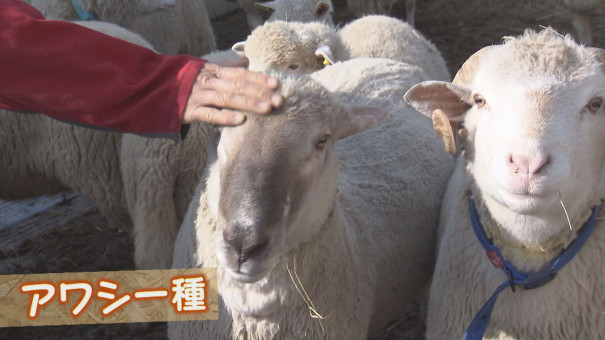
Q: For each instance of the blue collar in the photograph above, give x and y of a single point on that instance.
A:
(515, 278)
(83, 14)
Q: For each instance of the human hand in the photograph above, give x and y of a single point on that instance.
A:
(234, 88)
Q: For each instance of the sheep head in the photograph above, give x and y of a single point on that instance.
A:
(292, 47)
(274, 182)
(533, 121)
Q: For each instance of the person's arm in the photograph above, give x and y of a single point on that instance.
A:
(79, 75)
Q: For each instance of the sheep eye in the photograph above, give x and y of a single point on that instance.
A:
(479, 100)
(293, 67)
(321, 144)
(595, 104)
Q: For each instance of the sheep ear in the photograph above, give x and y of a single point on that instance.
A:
(322, 10)
(429, 96)
(356, 119)
(325, 52)
(445, 129)
(268, 6)
(239, 48)
(445, 103)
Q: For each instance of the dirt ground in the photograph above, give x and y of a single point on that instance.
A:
(458, 28)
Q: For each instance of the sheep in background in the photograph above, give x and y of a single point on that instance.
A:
(184, 28)
(115, 11)
(306, 47)
(287, 10)
(292, 47)
(380, 36)
(368, 7)
(42, 155)
(582, 12)
(355, 230)
(134, 180)
(533, 134)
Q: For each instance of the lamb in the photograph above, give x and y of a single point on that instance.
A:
(292, 47)
(582, 12)
(533, 131)
(287, 10)
(171, 26)
(306, 47)
(276, 208)
(385, 37)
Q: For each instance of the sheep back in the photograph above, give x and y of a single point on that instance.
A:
(379, 36)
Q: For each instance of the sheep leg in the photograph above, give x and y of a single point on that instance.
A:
(582, 23)
(155, 228)
(149, 174)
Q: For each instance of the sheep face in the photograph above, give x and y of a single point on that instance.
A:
(292, 47)
(275, 177)
(534, 125)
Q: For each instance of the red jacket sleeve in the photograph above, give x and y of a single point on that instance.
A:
(78, 75)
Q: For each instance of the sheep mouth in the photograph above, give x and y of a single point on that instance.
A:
(242, 277)
(250, 271)
(528, 201)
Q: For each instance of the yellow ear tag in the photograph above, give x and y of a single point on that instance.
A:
(326, 62)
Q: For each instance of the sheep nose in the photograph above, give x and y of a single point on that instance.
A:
(243, 241)
(529, 167)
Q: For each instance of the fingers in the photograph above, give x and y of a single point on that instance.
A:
(242, 74)
(240, 95)
(215, 116)
(231, 88)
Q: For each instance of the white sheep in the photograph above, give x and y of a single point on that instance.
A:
(533, 133)
(287, 10)
(353, 224)
(294, 47)
(185, 30)
(306, 47)
(582, 12)
(368, 7)
(380, 36)
(171, 26)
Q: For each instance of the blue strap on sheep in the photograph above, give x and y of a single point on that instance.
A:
(528, 280)
(82, 13)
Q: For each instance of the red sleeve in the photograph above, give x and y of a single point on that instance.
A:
(79, 75)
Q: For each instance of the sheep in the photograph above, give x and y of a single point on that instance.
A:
(118, 12)
(292, 47)
(171, 26)
(45, 156)
(364, 7)
(355, 230)
(184, 30)
(582, 12)
(532, 135)
(386, 37)
(307, 47)
(288, 10)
